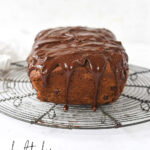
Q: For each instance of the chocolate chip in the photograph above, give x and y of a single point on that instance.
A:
(113, 88)
(105, 98)
(56, 91)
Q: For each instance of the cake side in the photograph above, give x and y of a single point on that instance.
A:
(78, 65)
(81, 89)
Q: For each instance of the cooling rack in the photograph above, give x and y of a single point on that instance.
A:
(18, 100)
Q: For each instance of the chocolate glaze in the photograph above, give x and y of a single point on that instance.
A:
(70, 47)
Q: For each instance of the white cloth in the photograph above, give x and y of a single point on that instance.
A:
(5, 61)
(8, 53)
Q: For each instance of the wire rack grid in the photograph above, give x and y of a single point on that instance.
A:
(18, 100)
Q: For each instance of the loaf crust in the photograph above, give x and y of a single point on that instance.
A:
(77, 65)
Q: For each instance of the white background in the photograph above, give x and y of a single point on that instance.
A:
(20, 20)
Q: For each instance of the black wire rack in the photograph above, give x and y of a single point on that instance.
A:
(18, 100)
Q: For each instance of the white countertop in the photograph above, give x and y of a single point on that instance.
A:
(135, 137)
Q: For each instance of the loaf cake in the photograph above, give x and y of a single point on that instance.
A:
(77, 65)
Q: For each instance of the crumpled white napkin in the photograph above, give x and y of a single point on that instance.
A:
(5, 61)
(8, 54)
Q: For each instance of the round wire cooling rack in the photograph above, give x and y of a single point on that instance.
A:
(18, 100)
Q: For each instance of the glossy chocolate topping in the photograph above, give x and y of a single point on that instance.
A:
(70, 47)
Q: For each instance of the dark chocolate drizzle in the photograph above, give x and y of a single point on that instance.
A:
(70, 47)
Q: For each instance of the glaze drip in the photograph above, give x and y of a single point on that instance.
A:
(71, 47)
(68, 73)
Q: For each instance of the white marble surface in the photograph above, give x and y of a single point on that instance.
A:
(20, 20)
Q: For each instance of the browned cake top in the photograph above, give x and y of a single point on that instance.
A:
(70, 47)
